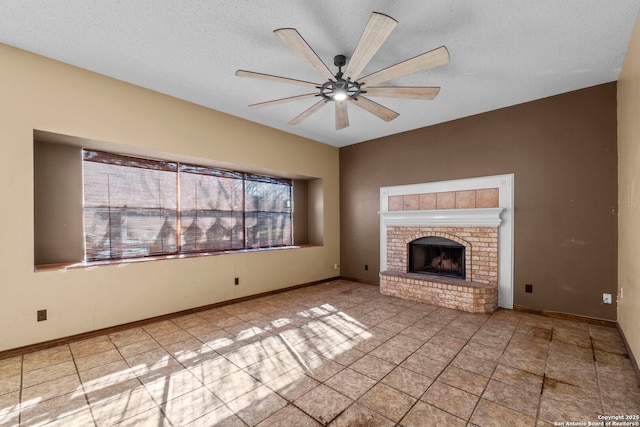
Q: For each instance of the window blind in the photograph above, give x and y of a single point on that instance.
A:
(211, 209)
(130, 207)
(268, 212)
(139, 207)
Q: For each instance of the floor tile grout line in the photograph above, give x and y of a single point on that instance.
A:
(21, 388)
(292, 402)
(184, 367)
(498, 363)
(411, 354)
(595, 365)
(445, 368)
(544, 373)
(84, 390)
(230, 361)
(354, 401)
(159, 406)
(204, 385)
(419, 399)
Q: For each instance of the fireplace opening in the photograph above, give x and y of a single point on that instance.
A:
(437, 256)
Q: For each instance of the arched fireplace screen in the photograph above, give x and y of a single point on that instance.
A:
(438, 256)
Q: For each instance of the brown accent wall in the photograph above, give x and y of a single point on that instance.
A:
(562, 152)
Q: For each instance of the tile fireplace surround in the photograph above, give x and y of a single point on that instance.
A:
(477, 213)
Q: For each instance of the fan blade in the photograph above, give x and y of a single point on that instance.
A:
(412, 92)
(294, 40)
(342, 116)
(254, 75)
(283, 100)
(376, 109)
(433, 58)
(375, 33)
(306, 113)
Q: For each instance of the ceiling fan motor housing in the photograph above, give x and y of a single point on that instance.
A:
(340, 89)
(331, 89)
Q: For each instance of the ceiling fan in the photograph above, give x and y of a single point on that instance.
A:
(349, 86)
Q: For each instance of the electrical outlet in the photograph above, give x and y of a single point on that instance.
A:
(606, 298)
(336, 266)
(621, 293)
(41, 315)
(366, 267)
(528, 288)
(236, 281)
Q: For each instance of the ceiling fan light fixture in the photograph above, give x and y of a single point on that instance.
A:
(340, 94)
(339, 90)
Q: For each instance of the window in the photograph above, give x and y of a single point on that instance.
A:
(91, 205)
(138, 207)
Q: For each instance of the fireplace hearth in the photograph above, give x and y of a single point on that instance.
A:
(437, 256)
(454, 267)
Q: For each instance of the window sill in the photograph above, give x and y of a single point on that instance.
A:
(95, 264)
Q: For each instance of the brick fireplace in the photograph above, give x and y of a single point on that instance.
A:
(474, 215)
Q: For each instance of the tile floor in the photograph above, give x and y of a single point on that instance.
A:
(336, 354)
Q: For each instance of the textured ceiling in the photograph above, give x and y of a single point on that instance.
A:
(503, 52)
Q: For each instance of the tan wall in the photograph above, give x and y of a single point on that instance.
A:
(38, 93)
(300, 212)
(58, 216)
(562, 152)
(629, 197)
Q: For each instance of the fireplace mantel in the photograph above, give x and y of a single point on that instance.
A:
(485, 217)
